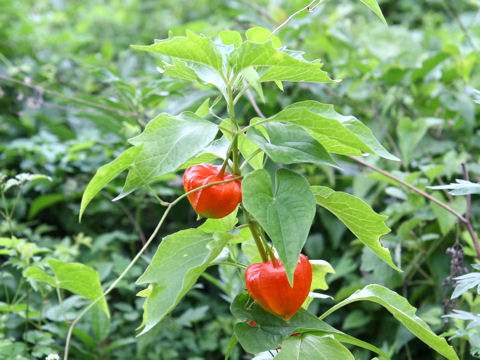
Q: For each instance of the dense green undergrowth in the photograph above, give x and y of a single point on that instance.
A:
(81, 92)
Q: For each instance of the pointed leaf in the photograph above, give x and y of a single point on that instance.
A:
(76, 278)
(107, 173)
(179, 261)
(337, 133)
(179, 70)
(285, 212)
(290, 144)
(403, 312)
(359, 217)
(166, 143)
(306, 347)
(39, 274)
(373, 5)
(281, 66)
(192, 47)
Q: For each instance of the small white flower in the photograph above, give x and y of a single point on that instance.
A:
(53, 357)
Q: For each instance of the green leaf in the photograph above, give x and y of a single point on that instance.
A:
(403, 312)
(306, 347)
(285, 212)
(373, 5)
(271, 330)
(280, 65)
(107, 173)
(204, 109)
(359, 217)
(192, 47)
(42, 202)
(75, 277)
(290, 144)
(166, 143)
(223, 224)
(260, 34)
(337, 133)
(179, 261)
(100, 324)
(230, 37)
(178, 69)
(39, 274)
(320, 269)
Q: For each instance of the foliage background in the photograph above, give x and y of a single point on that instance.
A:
(412, 83)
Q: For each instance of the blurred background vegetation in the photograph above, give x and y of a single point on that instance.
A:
(81, 92)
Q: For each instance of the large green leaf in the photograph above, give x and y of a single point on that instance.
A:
(373, 5)
(74, 277)
(290, 144)
(307, 347)
(107, 173)
(179, 261)
(285, 211)
(280, 66)
(166, 143)
(192, 47)
(403, 312)
(337, 133)
(359, 217)
(271, 330)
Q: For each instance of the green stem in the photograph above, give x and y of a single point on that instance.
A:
(247, 160)
(229, 151)
(60, 301)
(134, 260)
(268, 247)
(256, 237)
(214, 281)
(231, 263)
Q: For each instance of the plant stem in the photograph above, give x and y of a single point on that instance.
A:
(293, 15)
(134, 260)
(465, 221)
(254, 104)
(269, 249)
(247, 160)
(256, 237)
(60, 301)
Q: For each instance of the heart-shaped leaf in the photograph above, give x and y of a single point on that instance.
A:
(285, 211)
